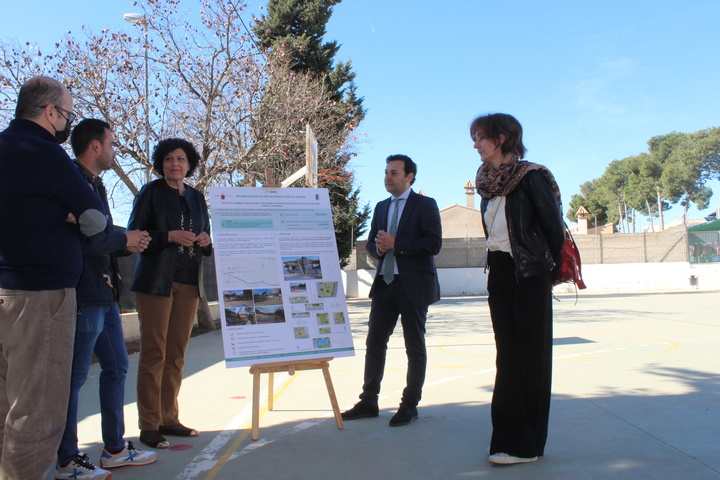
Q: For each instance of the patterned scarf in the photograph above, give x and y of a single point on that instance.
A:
(491, 182)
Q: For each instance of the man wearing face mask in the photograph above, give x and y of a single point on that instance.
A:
(40, 264)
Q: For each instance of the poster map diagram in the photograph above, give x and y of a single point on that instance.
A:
(279, 279)
(255, 272)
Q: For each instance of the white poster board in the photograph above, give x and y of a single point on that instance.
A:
(279, 284)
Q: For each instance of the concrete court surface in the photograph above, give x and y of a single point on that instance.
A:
(636, 396)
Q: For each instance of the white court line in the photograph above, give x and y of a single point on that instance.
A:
(438, 382)
(483, 371)
(281, 434)
(206, 460)
(570, 356)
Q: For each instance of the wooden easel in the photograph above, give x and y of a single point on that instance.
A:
(291, 367)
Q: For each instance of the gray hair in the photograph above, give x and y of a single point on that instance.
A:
(36, 94)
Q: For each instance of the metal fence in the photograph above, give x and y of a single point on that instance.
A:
(704, 247)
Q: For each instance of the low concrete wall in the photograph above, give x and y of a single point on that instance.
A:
(131, 324)
(625, 277)
(454, 282)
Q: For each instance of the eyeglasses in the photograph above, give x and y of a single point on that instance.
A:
(70, 115)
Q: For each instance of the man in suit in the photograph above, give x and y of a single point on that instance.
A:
(405, 235)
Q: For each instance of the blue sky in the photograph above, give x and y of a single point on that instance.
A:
(591, 82)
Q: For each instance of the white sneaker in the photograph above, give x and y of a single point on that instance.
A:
(80, 468)
(505, 459)
(128, 456)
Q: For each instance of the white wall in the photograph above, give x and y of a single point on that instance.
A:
(626, 277)
(131, 324)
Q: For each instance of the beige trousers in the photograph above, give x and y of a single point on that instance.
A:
(37, 332)
(165, 327)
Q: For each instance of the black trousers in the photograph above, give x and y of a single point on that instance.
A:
(521, 311)
(389, 302)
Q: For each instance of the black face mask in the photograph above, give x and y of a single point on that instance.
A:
(62, 135)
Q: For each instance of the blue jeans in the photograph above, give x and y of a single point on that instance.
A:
(99, 330)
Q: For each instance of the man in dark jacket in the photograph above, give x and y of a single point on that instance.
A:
(40, 264)
(99, 326)
(405, 235)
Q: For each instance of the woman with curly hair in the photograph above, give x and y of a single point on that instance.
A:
(167, 284)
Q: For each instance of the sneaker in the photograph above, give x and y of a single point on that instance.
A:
(127, 456)
(362, 409)
(506, 459)
(80, 468)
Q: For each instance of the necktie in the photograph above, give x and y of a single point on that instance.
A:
(389, 261)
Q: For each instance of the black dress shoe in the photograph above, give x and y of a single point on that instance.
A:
(404, 416)
(362, 409)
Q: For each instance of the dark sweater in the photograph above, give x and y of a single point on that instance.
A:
(99, 263)
(39, 186)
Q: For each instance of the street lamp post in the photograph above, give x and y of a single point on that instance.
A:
(140, 19)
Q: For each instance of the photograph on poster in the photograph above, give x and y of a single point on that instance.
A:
(273, 314)
(339, 317)
(299, 315)
(321, 342)
(233, 298)
(327, 289)
(323, 318)
(267, 296)
(301, 332)
(325, 331)
(301, 268)
(235, 316)
(299, 299)
(298, 287)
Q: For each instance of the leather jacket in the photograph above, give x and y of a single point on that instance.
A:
(156, 209)
(535, 226)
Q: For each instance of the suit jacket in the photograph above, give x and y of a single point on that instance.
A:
(417, 241)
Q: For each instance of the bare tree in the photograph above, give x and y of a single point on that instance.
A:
(291, 100)
(207, 83)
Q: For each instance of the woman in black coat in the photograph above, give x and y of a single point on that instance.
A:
(167, 284)
(525, 234)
